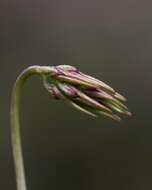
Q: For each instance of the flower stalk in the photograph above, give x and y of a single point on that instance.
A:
(67, 83)
(15, 122)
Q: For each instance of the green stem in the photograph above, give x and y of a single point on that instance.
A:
(15, 123)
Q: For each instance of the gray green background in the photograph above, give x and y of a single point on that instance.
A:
(63, 148)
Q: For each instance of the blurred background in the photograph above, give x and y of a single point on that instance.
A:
(63, 148)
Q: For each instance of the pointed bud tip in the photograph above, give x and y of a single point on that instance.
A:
(120, 97)
(128, 113)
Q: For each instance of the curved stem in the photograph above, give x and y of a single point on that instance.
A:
(15, 124)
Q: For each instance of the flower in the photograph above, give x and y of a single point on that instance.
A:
(84, 92)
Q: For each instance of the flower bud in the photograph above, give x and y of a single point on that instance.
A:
(84, 92)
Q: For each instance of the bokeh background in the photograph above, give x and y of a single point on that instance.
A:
(63, 148)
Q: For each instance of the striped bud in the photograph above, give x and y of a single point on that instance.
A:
(84, 92)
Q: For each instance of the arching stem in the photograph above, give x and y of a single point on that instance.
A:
(15, 123)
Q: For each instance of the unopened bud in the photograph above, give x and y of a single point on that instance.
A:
(84, 92)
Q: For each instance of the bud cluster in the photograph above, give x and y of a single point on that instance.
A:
(84, 92)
